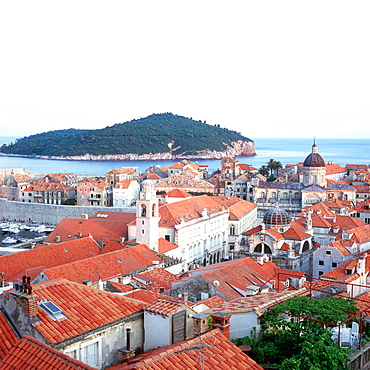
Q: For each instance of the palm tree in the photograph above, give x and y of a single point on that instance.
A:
(264, 170)
(273, 165)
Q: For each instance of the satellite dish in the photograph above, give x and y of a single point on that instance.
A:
(216, 283)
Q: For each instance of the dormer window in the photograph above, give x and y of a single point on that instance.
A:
(348, 272)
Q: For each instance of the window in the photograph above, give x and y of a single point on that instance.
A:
(321, 272)
(334, 264)
(321, 263)
(90, 354)
(367, 220)
(167, 237)
(328, 252)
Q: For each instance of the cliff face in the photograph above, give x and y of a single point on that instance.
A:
(236, 149)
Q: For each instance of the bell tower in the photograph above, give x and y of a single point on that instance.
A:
(147, 216)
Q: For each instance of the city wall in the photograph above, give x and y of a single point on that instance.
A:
(50, 213)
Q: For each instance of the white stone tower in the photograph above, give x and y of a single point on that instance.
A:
(147, 216)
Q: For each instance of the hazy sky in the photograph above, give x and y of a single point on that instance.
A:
(264, 68)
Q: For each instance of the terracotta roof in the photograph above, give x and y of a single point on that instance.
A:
(8, 337)
(123, 170)
(247, 167)
(362, 206)
(178, 193)
(258, 303)
(32, 261)
(105, 266)
(332, 168)
(158, 277)
(165, 307)
(31, 354)
(237, 207)
(148, 297)
(360, 234)
(186, 210)
(293, 233)
(340, 246)
(220, 354)
(165, 246)
(124, 184)
(110, 227)
(118, 287)
(214, 301)
(85, 309)
(243, 271)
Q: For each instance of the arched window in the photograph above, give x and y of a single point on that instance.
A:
(143, 210)
(262, 248)
(232, 229)
(345, 197)
(285, 195)
(306, 246)
(273, 194)
(153, 210)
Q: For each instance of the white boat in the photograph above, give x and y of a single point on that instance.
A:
(9, 240)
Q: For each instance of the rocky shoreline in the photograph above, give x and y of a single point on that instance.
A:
(238, 149)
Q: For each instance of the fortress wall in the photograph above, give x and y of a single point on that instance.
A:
(50, 213)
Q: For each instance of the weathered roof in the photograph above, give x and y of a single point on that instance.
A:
(31, 354)
(219, 353)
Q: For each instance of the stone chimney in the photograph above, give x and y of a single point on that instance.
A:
(25, 298)
(185, 297)
(200, 323)
(221, 321)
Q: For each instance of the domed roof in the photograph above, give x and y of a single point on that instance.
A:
(276, 217)
(314, 159)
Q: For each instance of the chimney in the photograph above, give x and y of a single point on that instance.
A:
(221, 321)
(25, 298)
(79, 234)
(57, 239)
(200, 324)
(161, 289)
(185, 297)
(122, 240)
(127, 352)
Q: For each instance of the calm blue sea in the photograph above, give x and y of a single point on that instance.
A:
(287, 151)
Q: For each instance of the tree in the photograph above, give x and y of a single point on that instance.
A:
(297, 341)
(70, 202)
(273, 165)
(264, 170)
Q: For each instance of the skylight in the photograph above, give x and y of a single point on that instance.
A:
(52, 310)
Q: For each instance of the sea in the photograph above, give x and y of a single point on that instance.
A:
(287, 151)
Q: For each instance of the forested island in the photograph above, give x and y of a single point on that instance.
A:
(161, 136)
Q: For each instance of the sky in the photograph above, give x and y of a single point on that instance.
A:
(262, 68)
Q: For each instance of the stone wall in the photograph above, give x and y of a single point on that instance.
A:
(50, 213)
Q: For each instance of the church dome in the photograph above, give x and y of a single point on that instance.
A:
(314, 159)
(276, 217)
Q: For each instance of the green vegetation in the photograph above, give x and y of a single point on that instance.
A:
(157, 133)
(301, 343)
(271, 168)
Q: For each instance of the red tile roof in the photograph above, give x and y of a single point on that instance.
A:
(8, 337)
(111, 227)
(293, 233)
(31, 354)
(218, 354)
(32, 261)
(188, 209)
(237, 207)
(124, 184)
(148, 297)
(214, 301)
(258, 303)
(105, 266)
(178, 193)
(332, 168)
(85, 309)
(165, 246)
(243, 271)
(165, 307)
(158, 277)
